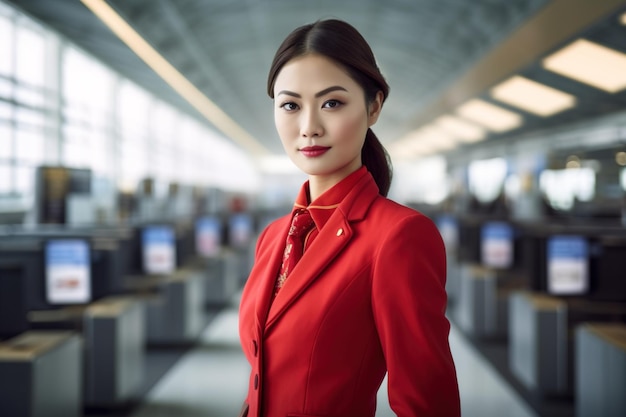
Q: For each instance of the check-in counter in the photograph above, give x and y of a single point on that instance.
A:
(175, 307)
(574, 260)
(541, 337)
(41, 375)
(223, 278)
(483, 276)
(108, 258)
(575, 275)
(114, 321)
(453, 281)
(474, 309)
(114, 334)
(13, 308)
(481, 308)
(601, 370)
(538, 341)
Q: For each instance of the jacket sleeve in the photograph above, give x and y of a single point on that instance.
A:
(409, 303)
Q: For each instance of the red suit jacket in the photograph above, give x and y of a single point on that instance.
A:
(367, 297)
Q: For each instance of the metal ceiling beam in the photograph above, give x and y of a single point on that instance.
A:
(194, 50)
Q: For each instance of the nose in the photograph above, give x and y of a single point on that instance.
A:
(311, 124)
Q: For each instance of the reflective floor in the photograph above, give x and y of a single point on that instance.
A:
(210, 380)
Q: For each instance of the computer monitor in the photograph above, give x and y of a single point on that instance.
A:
(67, 268)
(158, 247)
(240, 230)
(496, 245)
(449, 229)
(208, 233)
(567, 265)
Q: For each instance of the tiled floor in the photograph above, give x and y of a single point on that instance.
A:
(211, 380)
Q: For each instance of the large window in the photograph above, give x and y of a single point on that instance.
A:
(7, 51)
(87, 91)
(23, 113)
(59, 105)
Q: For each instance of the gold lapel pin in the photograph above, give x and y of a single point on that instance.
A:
(339, 232)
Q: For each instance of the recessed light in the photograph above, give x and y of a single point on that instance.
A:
(590, 63)
(532, 96)
(493, 117)
(436, 137)
(459, 128)
(425, 140)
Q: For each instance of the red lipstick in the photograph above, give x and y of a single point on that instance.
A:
(314, 151)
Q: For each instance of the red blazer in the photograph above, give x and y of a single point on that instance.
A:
(367, 297)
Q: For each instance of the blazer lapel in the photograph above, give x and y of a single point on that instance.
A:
(270, 271)
(331, 240)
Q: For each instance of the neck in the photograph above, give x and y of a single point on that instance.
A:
(319, 184)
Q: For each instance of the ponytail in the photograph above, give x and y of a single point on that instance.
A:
(376, 159)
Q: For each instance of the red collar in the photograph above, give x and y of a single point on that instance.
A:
(323, 207)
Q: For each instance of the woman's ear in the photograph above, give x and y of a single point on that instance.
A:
(374, 108)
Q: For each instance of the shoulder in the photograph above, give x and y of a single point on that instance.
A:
(389, 219)
(393, 212)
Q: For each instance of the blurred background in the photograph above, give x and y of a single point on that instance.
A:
(139, 160)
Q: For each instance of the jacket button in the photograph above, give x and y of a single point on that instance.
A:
(256, 381)
(256, 348)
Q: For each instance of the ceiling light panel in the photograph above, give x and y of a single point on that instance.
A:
(623, 19)
(407, 149)
(532, 96)
(590, 63)
(459, 128)
(426, 140)
(436, 137)
(494, 118)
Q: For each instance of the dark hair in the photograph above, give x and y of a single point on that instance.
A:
(342, 43)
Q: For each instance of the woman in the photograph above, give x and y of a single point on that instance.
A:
(368, 294)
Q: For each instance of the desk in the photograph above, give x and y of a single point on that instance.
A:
(41, 374)
(601, 370)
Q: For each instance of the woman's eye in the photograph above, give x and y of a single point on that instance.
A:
(289, 106)
(331, 104)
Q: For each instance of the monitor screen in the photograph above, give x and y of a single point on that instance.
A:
(240, 230)
(449, 230)
(496, 245)
(68, 271)
(567, 265)
(159, 249)
(208, 236)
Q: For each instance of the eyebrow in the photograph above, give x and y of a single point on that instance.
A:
(317, 95)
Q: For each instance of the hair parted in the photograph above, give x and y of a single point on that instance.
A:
(343, 44)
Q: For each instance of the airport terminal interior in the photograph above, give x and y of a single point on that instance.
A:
(139, 162)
